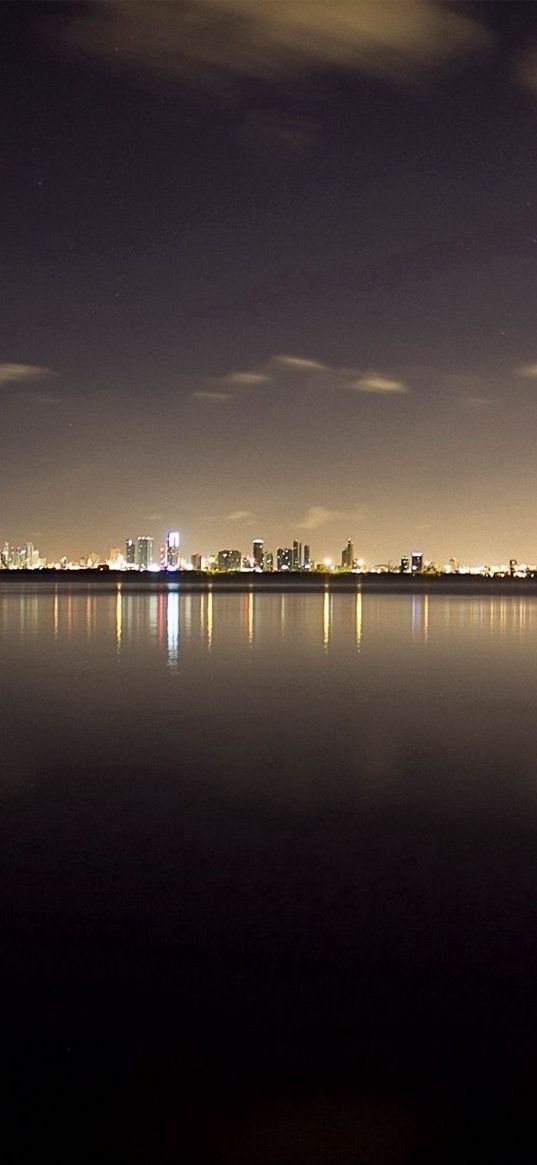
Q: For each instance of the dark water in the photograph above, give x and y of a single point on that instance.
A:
(269, 876)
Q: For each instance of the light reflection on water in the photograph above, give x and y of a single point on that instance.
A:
(324, 804)
(307, 680)
(331, 621)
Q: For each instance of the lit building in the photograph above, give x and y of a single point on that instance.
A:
(297, 555)
(229, 559)
(347, 555)
(195, 562)
(268, 560)
(144, 553)
(115, 558)
(284, 558)
(416, 562)
(307, 557)
(257, 553)
(172, 550)
(130, 552)
(405, 565)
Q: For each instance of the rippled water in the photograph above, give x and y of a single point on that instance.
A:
(269, 871)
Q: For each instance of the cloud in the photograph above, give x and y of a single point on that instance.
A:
(312, 373)
(238, 516)
(298, 364)
(210, 42)
(202, 395)
(318, 516)
(22, 373)
(246, 378)
(526, 69)
(36, 398)
(381, 384)
(529, 371)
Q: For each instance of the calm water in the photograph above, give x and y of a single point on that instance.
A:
(269, 874)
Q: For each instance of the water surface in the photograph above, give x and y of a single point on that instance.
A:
(269, 872)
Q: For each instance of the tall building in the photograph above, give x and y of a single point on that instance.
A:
(347, 555)
(229, 559)
(257, 553)
(297, 555)
(405, 565)
(284, 558)
(195, 562)
(172, 550)
(268, 560)
(144, 553)
(416, 562)
(307, 557)
(130, 552)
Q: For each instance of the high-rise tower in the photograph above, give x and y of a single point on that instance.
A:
(172, 550)
(257, 553)
(347, 555)
(144, 553)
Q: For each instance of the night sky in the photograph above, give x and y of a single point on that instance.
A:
(270, 271)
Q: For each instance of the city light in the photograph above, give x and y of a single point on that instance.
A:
(138, 556)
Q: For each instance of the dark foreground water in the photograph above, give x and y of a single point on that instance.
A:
(269, 876)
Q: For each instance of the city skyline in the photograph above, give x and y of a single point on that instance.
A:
(287, 287)
(145, 553)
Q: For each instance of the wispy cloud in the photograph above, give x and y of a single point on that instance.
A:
(380, 384)
(319, 516)
(36, 398)
(298, 364)
(238, 516)
(525, 69)
(210, 42)
(216, 396)
(22, 373)
(246, 378)
(529, 371)
(310, 372)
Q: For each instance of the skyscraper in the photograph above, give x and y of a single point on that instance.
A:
(307, 557)
(172, 550)
(145, 553)
(284, 558)
(229, 559)
(347, 555)
(130, 552)
(416, 562)
(257, 553)
(297, 555)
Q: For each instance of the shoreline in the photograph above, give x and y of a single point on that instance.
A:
(274, 582)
